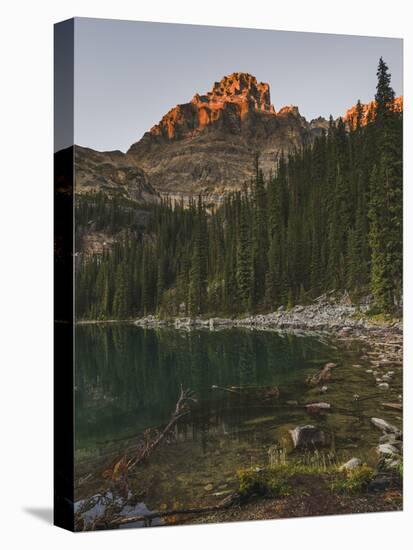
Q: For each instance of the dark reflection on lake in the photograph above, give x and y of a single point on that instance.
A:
(128, 379)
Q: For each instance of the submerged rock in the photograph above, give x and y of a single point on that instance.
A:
(317, 407)
(322, 376)
(307, 436)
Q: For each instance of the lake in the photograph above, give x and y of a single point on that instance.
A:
(128, 379)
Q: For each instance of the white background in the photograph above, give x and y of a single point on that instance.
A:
(26, 134)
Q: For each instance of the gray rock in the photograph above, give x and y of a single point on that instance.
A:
(307, 436)
(387, 449)
(383, 386)
(351, 464)
(385, 426)
(390, 438)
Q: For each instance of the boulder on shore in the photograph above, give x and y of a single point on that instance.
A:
(351, 464)
(387, 450)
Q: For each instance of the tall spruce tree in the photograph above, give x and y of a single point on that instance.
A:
(385, 209)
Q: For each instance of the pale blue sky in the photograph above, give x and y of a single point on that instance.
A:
(129, 74)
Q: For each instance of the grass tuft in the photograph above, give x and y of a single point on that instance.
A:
(276, 480)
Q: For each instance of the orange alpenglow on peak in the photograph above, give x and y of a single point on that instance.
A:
(240, 88)
(350, 118)
(237, 95)
(289, 109)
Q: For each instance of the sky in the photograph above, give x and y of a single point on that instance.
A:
(129, 74)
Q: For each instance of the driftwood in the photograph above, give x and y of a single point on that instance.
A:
(265, 392)
(181, 409)
(118, 472)
(230, 390)
(229, 501)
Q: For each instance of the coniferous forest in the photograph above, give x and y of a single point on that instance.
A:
(328, 218)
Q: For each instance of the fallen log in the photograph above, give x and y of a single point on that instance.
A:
(181, 410)
(229, 501)
(229, 390)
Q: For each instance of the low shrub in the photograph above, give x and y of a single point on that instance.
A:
(270, 482)
(353, 481)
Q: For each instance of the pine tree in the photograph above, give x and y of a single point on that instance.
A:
(385, 209)
(244, 261)
(380, 269)
(259, 238)
(198, 285)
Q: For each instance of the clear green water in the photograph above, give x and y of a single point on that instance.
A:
(128, 379)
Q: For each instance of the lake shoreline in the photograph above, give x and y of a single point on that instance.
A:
(317, 317)
(331, 312)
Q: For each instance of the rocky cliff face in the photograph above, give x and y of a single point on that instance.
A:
(112, 173)
(208, 145)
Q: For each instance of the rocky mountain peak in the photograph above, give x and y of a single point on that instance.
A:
(239, 88)
(233, 97)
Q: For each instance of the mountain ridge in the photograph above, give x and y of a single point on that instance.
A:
(208, 145)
